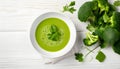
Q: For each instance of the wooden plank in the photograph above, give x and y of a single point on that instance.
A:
(20, 14)
(17, 52)
(16, 44)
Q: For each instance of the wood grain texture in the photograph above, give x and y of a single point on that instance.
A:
(16, 51)
(20, 14)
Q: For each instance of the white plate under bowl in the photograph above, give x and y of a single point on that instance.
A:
(69, 45)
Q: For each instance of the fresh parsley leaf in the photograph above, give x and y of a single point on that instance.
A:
(53, 29)
(69, 7)
(79, 57)
(100, 56)
(117, 3)
(65, 8)
(54, 34)
(72, 3)
(72, 9)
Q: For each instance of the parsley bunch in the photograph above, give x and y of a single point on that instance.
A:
(70, 8)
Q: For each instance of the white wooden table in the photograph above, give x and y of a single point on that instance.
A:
(16, 51)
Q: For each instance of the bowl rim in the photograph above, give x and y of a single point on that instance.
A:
(70, 43)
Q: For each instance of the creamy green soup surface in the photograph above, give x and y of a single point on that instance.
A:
(44, 29)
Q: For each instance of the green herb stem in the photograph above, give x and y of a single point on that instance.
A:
(91, 51)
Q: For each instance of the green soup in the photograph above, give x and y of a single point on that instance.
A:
(43, 29)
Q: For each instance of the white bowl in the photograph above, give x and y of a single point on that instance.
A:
(68, 46)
